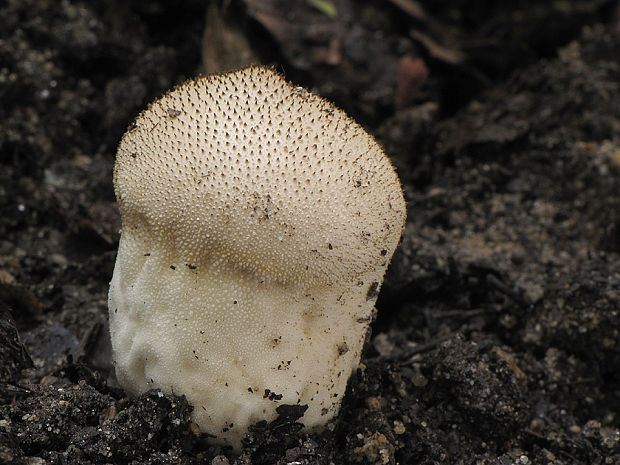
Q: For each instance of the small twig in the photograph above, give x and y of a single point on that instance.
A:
(414, 351)
(462, 313)
(574, 383)
(505, 289)
(87, 341)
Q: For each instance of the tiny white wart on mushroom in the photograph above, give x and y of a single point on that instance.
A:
(258, 222)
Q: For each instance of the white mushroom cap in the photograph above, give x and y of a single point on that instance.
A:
(258, 221)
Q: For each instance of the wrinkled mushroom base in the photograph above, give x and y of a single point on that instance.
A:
(235, 345)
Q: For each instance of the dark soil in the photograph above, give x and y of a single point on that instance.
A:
(498, 335)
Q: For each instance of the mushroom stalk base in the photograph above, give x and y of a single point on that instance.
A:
(235, 345)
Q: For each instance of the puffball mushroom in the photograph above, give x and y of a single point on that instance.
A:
(257, 224)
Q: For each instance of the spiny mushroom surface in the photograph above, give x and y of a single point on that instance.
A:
(257, 224)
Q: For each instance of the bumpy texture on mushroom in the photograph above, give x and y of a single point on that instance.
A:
(258, 222)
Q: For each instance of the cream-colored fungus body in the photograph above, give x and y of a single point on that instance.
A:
(257, 224)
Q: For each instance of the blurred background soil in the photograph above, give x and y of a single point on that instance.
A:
(498, 335)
